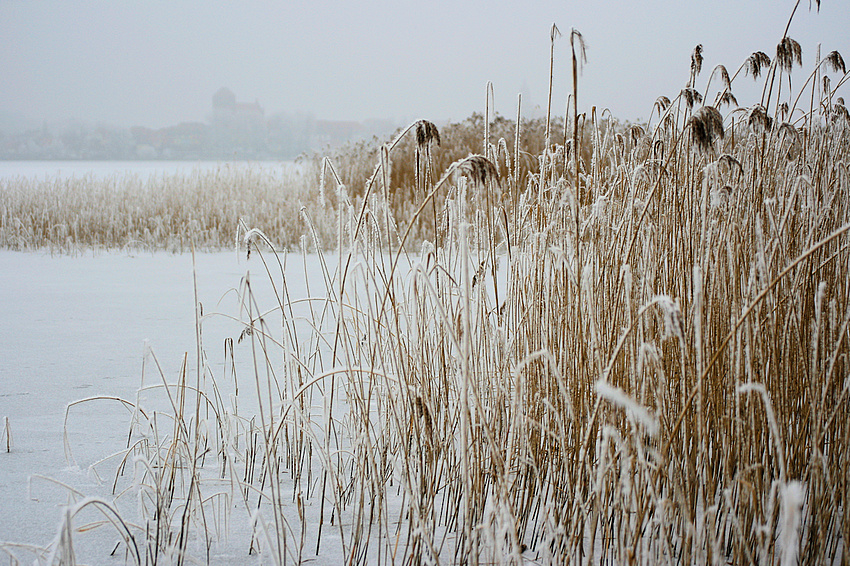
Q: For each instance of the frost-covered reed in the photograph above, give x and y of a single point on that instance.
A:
(167, 212)
(636, 356)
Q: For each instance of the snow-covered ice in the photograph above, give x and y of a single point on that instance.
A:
(77, 327)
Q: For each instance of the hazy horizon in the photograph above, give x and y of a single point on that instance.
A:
(158, 63)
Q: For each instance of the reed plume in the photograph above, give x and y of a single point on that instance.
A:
(427, 134)
(696, 64)
(478, 169)
(788, 52)
(755, 63)
(707, 126)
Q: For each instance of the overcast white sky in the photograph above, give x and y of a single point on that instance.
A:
(158, 62)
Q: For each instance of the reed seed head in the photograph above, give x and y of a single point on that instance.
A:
(479, 169)
(727, 98)
(836, 62)
(724, 76)
(758, 119)
(696, 61)
(788, 130)
(691, 96)
(427, 134)
(732, 164)
(788, 52)
(635, 134)
(839, 112)
(755, 63)
(707, 126)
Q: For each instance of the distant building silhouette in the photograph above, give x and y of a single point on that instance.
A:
(237, 127)
(224, 101)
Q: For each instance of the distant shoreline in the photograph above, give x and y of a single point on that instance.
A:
(146, 168)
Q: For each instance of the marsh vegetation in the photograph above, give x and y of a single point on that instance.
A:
(585, 342)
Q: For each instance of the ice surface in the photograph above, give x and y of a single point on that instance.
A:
(60, 170)
(77, 327)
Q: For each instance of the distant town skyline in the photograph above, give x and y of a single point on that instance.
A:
(233, 129)
(17, 124)
(156, 63)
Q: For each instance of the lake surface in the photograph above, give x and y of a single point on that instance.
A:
(43, 170)
(81, 327)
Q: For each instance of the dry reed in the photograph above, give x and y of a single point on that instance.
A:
(637, 356)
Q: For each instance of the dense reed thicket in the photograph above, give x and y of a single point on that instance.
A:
(639, 356)
(169, 212)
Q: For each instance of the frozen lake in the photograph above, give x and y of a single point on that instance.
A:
(43, 170)
(79, 327)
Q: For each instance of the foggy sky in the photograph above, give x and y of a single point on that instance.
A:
(157, 63)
